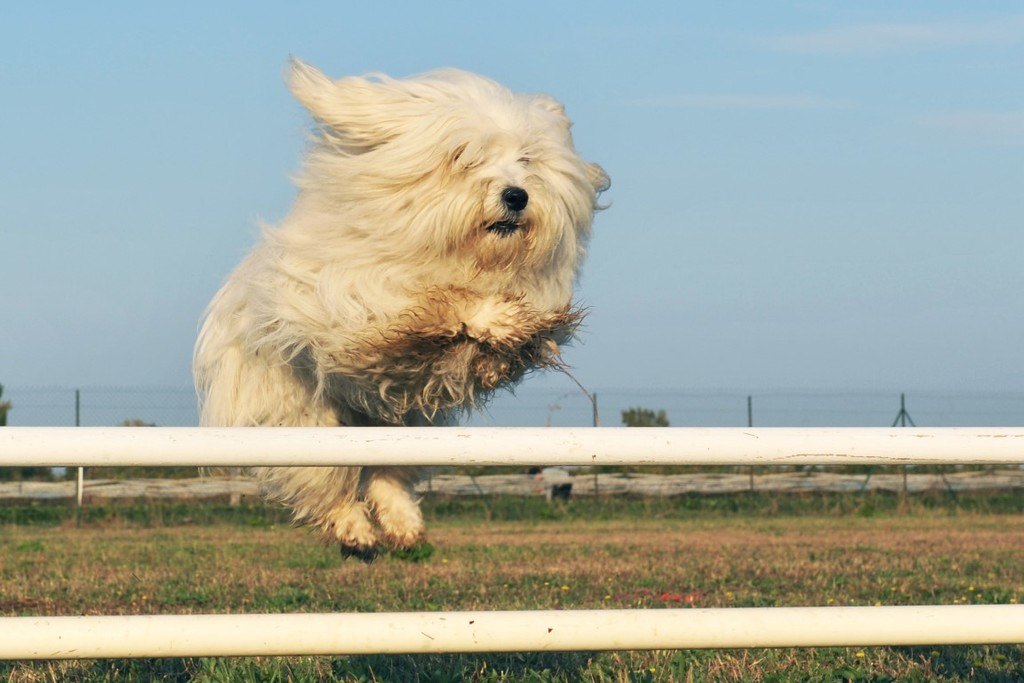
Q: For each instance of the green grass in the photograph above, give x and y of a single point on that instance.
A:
(513, 553)
(474, 509)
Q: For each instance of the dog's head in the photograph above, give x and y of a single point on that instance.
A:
(453, 169)
(447, 219)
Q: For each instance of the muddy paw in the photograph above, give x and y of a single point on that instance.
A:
(363, 554)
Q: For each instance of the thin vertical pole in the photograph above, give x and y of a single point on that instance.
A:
(750, 423)
(80, 484)
(901, 417)
(903, 423)
(597, 423)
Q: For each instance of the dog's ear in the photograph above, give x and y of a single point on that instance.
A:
(360, 110)
(598, 178)
(310, 86)
(551, 104)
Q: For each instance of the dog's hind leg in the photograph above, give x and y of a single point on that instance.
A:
(354, 529)
(389, 493)
(242, 389)
(325, 498)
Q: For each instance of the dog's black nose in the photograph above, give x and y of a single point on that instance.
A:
(515, 198)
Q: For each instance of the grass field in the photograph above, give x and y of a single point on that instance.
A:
(515, 554)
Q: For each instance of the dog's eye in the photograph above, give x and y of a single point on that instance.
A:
(525, 161)
(465, 158)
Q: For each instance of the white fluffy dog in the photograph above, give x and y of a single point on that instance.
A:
(429, 259)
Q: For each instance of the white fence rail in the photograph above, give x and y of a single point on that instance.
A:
(544, 630)
(262, 634)
(240, 446)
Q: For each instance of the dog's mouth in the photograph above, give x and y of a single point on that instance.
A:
(504, 228)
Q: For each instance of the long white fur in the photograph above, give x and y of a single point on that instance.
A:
(387, 244)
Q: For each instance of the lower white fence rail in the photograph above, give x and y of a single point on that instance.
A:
(412, 632)
(547, 630)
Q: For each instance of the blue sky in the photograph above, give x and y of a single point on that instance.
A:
(805, 195)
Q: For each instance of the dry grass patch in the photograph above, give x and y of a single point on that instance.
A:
(652, 563)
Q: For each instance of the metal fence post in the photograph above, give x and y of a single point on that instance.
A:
(750, 423)
(80, 481)
(597, 423)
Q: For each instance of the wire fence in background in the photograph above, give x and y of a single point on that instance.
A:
(767, 409)
(101, 406)
(529, 407)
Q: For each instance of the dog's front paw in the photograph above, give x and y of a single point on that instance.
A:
(497, 320)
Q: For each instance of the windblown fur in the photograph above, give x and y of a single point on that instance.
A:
(406, 284)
